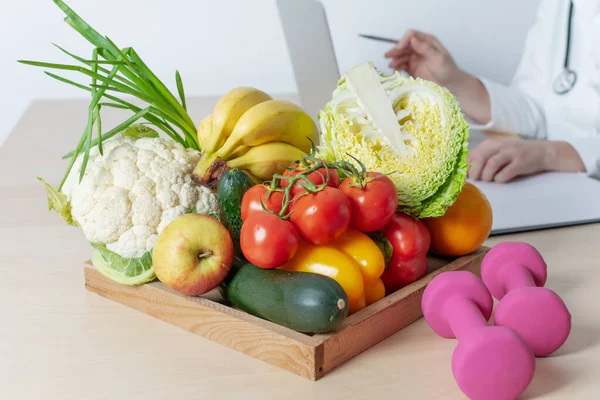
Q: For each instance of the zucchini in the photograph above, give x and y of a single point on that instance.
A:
(301, 301)
(230, 191)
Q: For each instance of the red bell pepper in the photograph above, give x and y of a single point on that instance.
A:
(410, 241)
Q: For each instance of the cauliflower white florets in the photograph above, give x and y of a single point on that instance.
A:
(133, 191)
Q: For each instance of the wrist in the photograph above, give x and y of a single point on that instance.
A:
(459, 82)
(472, 95)
(549, 155)
(562, 157)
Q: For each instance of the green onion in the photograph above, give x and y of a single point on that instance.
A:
(180, 89)
(128, 75)
(96, 113)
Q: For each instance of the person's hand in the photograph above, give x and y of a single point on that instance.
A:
(502, 160)
(423, 56)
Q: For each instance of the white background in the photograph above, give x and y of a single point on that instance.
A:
(220, 44)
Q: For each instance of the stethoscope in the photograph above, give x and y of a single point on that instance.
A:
(567, 78)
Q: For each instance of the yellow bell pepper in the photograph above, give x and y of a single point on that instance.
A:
(354, 261)
(357, 304)
(374, 291)
(364, 251)
(328, 261)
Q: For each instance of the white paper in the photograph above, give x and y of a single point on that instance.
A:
(543, 201)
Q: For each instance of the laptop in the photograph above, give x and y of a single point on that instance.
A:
(310, 46)
(540, 202)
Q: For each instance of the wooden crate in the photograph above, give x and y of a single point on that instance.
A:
(310, 356)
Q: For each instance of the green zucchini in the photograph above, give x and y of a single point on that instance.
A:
(301, 301)
(230, 191)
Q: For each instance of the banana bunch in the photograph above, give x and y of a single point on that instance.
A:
(251, 131)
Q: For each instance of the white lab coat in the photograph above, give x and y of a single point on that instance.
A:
(530, 107)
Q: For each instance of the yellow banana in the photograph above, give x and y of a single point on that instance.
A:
(240, 151)
(255, 179)
(270, 121)
(228, 111)
(267, 159)
(204, 131)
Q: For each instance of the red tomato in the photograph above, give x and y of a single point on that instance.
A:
(400, 273)
(254, 195)
(409, 237)
(268, 241)
(374, 205)
(321, 217)
(317, 177)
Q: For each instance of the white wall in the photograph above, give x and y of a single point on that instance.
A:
(220, 44)
(485, 37)
(216, 45)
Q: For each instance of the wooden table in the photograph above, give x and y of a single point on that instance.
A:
(58, 341)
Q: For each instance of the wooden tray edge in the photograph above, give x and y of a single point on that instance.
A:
(314, 356)
(291, 350)
(379, 321)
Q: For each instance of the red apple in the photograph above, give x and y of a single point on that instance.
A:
(193, 254)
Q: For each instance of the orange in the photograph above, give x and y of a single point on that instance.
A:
(465, 225)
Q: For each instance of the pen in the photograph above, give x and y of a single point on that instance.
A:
(379, 38)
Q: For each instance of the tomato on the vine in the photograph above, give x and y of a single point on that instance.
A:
(251, 202)
(374, 204)
(318, 177)
(321, 217)
(268, 241)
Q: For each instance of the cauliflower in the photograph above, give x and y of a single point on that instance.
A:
(133, 191)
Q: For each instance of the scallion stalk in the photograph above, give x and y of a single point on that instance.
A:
(128, 75)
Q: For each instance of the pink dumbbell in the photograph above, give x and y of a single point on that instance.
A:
(514, 273)
(489, 362)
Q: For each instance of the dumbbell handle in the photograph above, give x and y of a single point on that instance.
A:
(516, 276)
(463, 315)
